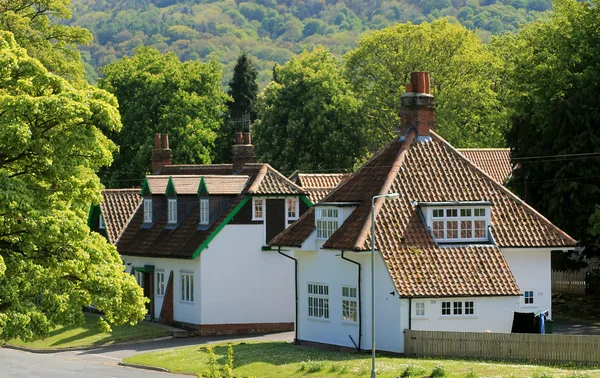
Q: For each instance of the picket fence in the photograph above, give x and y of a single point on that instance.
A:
(572, 282)
(559, 349)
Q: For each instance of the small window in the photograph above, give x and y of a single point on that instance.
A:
(172, 211)
(147, 211)
(528, 297)
(438, 229)
(327, 222)
(139, 277)
(479, 212)
(446, 308)
(318, 301)
(101, 224)
(420, 309)
(459, 224)
(187, 287)
(349, 304)
(160, 283)
(258, 209)
(469, 308)
(451, 213)
(292, 208)
(458, 310)
(204, 211)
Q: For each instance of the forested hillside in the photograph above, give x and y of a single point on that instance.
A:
(271, 31)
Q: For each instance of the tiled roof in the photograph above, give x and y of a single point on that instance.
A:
(184, 240)
(197, 169)
(318, 185)
(493, 161)
(188, 184)
(117, 207)
(431, 171)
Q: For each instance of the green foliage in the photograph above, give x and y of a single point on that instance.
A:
(463, 72)
(312, 366)
(310, 118)
(438, 372)
(159, 94)
(412, 371)
(51, 145)
(229, 365)
(212, 368)
(471, 374)
(271, 31)
(53, 44)
(552, 71)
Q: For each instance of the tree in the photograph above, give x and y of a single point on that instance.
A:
(51, 144)
(243, 90)
(553, 70)
(463, 74)
(54, 45)
(310, 118)
(157, 93)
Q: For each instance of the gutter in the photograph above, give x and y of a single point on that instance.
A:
(295, 290)
(359, 301)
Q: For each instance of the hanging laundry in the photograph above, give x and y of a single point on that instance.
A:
(525, 322)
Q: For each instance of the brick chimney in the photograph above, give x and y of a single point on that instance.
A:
(417, 108)
(161, 154)
(242, 151)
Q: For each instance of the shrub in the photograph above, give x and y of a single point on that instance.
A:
(471, 374)
(438, 371)
(412, 371)
(311, 366)
(228, 368)
(212, 370)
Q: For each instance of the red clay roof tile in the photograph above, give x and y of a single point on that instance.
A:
(117, 208)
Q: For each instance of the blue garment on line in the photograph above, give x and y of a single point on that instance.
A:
(542, 321)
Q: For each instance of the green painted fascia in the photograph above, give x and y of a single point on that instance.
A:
(306, 200)
(90, 214)
(201, 186)
(220, 227)
(145, 269)
(170, 187)
(145, 188)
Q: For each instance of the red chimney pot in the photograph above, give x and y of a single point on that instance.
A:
(165, 141)
(157, 141)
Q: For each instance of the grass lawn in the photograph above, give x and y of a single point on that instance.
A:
(88, 334)
(279, 359)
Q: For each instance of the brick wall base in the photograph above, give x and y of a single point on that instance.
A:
(234, 329)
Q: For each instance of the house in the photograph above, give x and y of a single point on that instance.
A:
(493, 161)
(317, 185)
(197, 242)
(110, 217)
(457, 251)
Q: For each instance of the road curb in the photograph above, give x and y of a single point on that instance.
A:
(74, 349)
(144, 367)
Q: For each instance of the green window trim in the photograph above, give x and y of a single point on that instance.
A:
(145, 269)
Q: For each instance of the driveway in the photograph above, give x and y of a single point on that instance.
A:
(566, 326)
(103, 362)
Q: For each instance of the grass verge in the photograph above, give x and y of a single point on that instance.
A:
(279, 359)
(88, 334)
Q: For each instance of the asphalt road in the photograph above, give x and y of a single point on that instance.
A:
(103, 362)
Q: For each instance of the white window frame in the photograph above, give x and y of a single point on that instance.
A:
(147, 210)
(204, 211)
(160, 283)
(327, 221)
(349, 304)
(318, 301)
(463, 214)
(532, 298)
(258, 209)
(172, 211)
(186, 289)
(420, 310)
(459, 308)
(292, 213)
(101, 224)
(139, 277)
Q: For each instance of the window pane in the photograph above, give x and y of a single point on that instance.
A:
(466, 229)
(438, 229)
(480, 229)
(452, 230)
(465, 212)
(451, 212)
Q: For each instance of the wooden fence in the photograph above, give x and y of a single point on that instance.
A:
(584, 350)
(568, 281)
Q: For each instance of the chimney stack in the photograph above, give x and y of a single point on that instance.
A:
(417, 107)
(161, 154)
(242, 151)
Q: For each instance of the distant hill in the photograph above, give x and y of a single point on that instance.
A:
(271, 31)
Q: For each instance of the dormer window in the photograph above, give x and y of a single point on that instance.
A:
(292, 208)
(328, 222)
(101, 224)
(458, 223)
(204, 211)
(147, 211)
(258, 209)
(172, 211)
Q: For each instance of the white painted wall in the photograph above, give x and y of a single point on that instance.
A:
(531, 268)
(240, 283)
(491, 314)
(182, 311)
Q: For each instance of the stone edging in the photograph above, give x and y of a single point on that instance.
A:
(136, 366)
(57, 350)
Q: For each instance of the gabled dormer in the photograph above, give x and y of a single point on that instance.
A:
(147, 203)
(458, 222)
(171, 195)
(330, 216)
(204, 203)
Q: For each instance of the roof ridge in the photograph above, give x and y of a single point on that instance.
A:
(121, 190)
(258, 179)
(387, 184)
(285, 179)
(323, 174)
(510, 194)
(482, 149)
